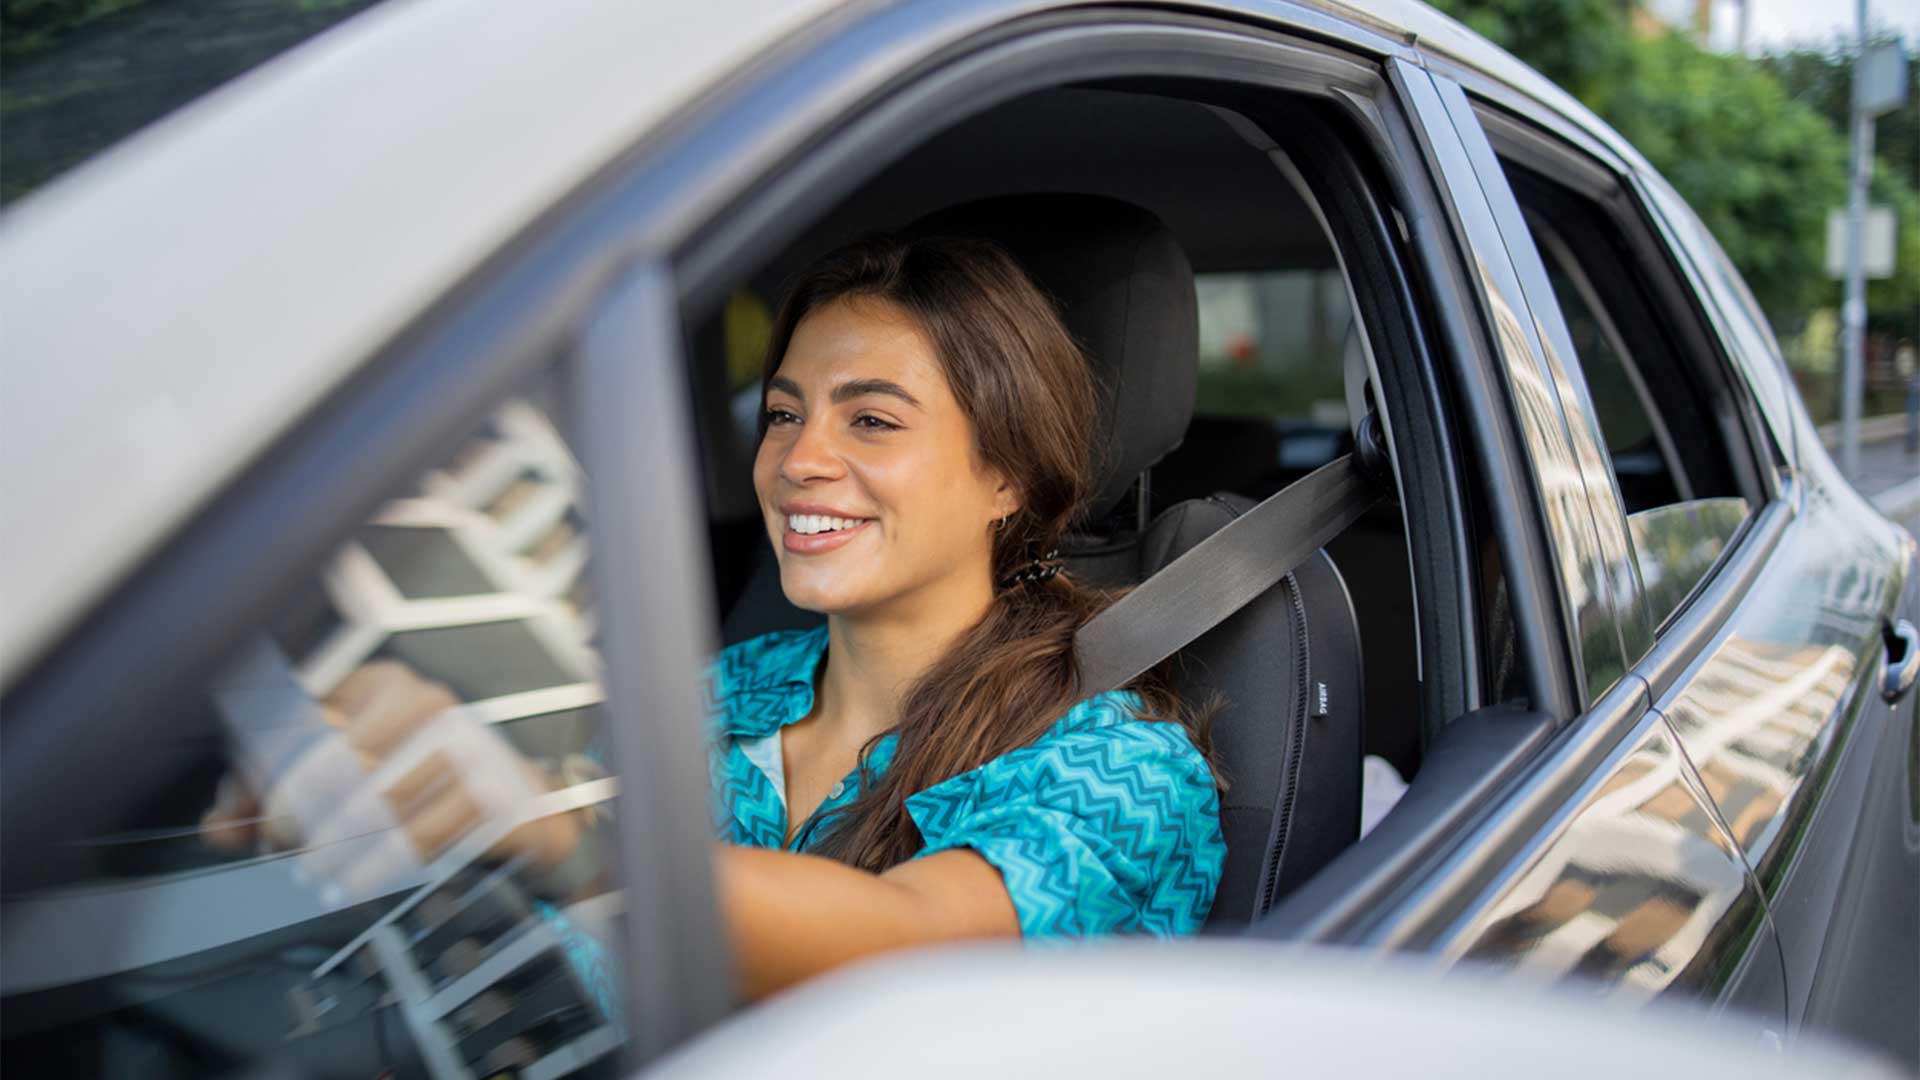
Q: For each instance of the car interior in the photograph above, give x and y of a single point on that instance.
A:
(1209, 299)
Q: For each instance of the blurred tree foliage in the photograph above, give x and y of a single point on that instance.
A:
(1822, 78)
(1759, 148)
(1581, 44)
(1760, 169)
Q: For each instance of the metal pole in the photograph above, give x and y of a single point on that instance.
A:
(1854, 311)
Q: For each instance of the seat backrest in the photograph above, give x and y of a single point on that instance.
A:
(1284, 676)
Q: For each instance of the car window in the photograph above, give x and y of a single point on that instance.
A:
(1271, 342)
(1668, 440)
(381, 832)
(1277, 350)
(77, 77)
(1270, 403)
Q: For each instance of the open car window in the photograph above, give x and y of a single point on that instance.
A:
(330, 871)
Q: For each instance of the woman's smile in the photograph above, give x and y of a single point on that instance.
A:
(813, 530)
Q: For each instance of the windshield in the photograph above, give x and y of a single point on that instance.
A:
(77, 76)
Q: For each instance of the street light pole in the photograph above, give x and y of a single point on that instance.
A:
(1854, 311)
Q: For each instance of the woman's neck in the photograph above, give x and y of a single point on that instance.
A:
(873, 659)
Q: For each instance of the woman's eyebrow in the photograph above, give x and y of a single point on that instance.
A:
(854, 388)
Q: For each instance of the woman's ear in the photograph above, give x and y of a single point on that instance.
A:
(1006, 500)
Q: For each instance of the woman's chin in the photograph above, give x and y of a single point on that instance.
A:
(822, 598)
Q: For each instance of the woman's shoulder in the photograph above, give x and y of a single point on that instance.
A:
(1113, 710)
(772, 659)
(1117, 724)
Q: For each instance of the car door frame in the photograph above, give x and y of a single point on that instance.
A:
(1756, 981)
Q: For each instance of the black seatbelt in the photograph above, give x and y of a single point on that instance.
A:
(1221, 574)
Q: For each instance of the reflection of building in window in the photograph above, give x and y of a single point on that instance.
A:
(1753, 720)
(476, 580)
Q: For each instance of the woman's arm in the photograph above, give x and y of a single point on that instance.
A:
(793, 916)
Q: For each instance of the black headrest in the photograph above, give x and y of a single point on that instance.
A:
(1125, 289)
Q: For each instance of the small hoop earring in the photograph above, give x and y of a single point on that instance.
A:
(1001, 523)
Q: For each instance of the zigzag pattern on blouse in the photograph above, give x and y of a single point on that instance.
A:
(1106, 823)
(746, 809)
(1120, 790)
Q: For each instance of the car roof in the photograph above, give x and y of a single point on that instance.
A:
(180, 301)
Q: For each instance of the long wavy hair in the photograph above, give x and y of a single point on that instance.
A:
(1028, 393)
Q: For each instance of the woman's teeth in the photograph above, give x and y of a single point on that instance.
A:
(809, 524)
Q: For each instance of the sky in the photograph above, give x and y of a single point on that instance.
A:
(1782, 24)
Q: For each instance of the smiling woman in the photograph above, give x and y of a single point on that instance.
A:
(922, 760)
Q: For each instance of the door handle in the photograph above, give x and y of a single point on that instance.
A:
(1903, 660)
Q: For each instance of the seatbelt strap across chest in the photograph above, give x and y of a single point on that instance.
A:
(1220, 575)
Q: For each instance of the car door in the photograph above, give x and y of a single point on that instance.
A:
(440, 497)
(1770, 681)
(1594, 852)
(1784, 705)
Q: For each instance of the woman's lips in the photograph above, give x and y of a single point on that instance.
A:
(818, 543)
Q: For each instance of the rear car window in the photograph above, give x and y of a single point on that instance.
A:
(1668, 440)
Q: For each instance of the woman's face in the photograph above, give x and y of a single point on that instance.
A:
(872, 491)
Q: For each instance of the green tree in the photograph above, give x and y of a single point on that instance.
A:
(1758, 148)
(1760, 168)
(1581, 44)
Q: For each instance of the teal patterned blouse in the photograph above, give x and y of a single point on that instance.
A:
(1107, 823)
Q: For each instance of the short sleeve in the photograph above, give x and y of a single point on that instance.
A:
(1108, 824)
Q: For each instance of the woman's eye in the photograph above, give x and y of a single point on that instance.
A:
(873, 423)
(777, 417)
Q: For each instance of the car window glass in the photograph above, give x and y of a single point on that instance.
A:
(77, 77)
(1270, 344)
(1651, 396)
(382, 842)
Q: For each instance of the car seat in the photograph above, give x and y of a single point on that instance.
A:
(1285, 669)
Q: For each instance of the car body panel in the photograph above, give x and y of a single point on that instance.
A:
(1783, 716)
(351, 179)
(1638, 885)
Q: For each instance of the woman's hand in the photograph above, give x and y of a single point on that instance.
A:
(405, 758)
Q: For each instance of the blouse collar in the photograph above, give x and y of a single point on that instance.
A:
(776, 688)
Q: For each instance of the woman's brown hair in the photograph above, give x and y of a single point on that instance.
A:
(1028, 392)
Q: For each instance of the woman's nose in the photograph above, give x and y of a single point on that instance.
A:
(812, 455)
